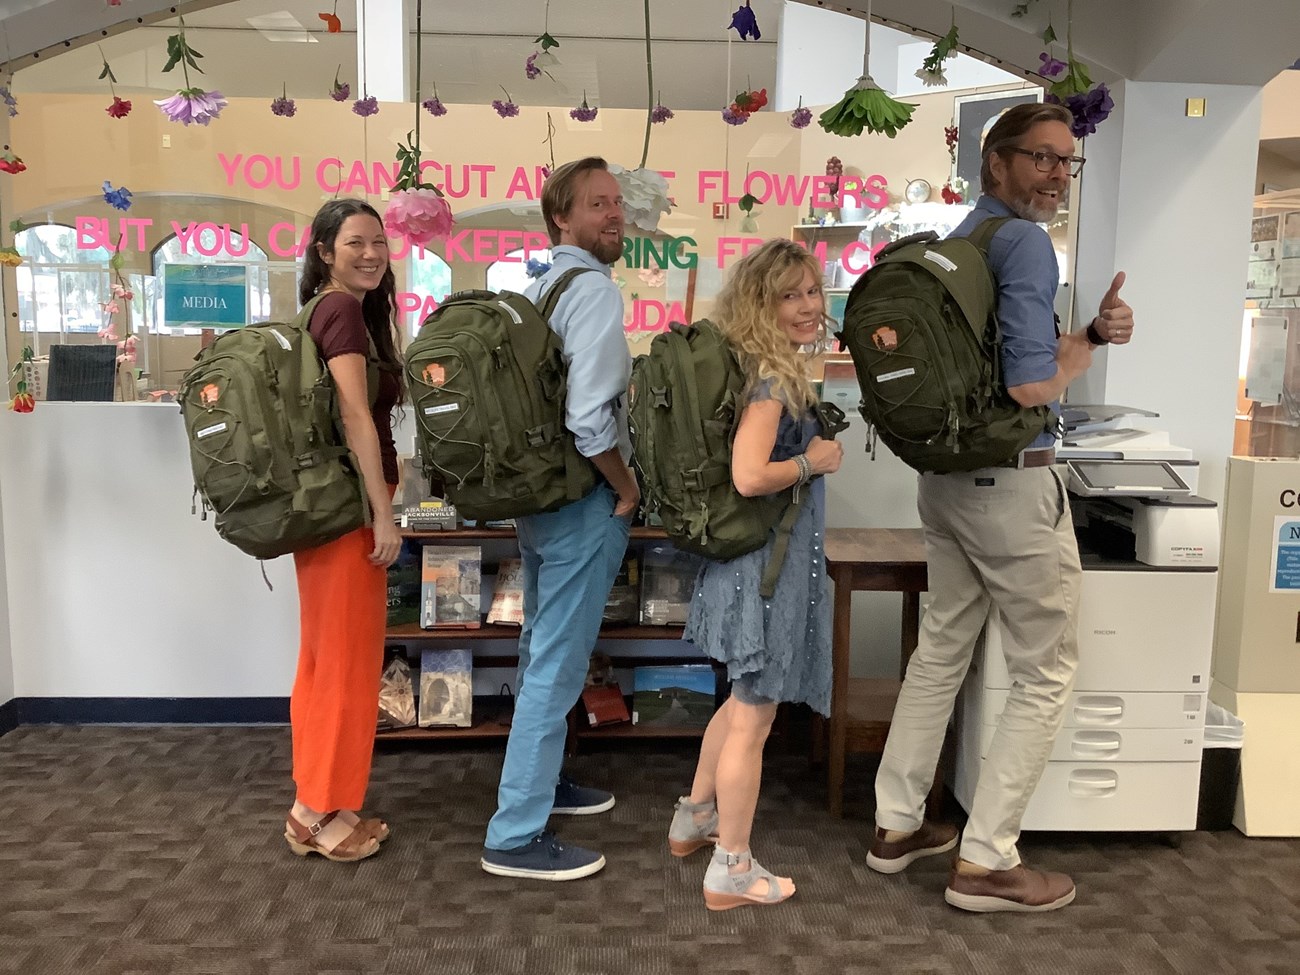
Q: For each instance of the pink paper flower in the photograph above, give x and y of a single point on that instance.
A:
(120, 108)
(193, 105)
(419, 215)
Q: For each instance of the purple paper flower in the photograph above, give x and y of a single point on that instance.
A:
(734, 118)
(800, 118)
(660, 113)
(1050, 67)
(365, 107)
(584, 112)
(546, 172)
(531, 70)
(119, 199)
(434, 106)
(283, 106)
(192, 105)
(1089, 109)
(745, 23)
(506, 109)
(341, 91)
(11, 103)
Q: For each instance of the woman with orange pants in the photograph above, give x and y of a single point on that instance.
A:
(342, 584)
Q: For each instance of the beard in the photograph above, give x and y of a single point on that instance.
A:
(1029, 208)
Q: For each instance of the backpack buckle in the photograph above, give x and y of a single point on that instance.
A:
(662, 396)
(537, 436)
(693, 480)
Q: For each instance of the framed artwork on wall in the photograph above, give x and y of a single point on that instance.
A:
(975, 115)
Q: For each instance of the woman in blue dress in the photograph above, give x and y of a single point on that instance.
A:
(774, 314)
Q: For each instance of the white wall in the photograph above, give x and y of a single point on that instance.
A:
(1168, 199)
(818, 57)
(115, 590)
(6, 648)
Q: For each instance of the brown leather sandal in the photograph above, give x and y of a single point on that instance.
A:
(357, 845)
(377, 828)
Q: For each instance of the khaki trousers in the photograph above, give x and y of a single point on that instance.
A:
(1000, 538)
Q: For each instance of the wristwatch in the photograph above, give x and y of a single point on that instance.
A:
(1094, 336)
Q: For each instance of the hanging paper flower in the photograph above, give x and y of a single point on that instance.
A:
(9, 256)
(547, 42)
(434, 106)
(531, 70)
(507, 108)
(645, 196)
(950, 139)
(866, 107)
(126, 350)
(420, 215)
(931, 71)
(1050, 67)
(584, 112)
(949, 194)
(120, 291)
(120, 108)
(9, 163)
(745, 23)
(119, 199)
(283, 106)
(366, 107)
(660, 112)
(1089, 108)
(732, 117)
(800, 117)
(11, 103)
(544, 60)
(332, 23)
(23, 401)
(535, 268)
(193, 106)
(340, 91)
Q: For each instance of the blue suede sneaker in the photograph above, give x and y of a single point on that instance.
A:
(572, 799)
(545, 858)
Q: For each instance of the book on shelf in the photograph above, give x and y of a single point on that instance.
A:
(420, 508)
(674, 695)
(404, 585)
(624, 602)
(396, 694)
(604, 704)
(667, 581)
(449, 586)
(446, 688)
(508, 595)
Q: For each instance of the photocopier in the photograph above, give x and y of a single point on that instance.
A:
(1128, 756)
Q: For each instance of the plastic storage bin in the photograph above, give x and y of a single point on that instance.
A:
(1220, 768)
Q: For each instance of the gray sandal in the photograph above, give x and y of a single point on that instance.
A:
(724, 890)
(686, 835)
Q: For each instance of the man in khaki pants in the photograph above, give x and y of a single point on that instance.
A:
(1001, 537)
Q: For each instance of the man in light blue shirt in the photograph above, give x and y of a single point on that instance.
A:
(570, 556)
(1001, 538)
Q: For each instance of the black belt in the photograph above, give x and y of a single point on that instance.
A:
(1042, 457)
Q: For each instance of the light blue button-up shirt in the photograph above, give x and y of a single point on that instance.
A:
(589, 320)
(1023, 263)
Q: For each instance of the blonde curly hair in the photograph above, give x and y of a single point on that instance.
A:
(745, 312)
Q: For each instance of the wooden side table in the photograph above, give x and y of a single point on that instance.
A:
(871, 560)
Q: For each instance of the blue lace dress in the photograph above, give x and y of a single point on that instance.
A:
(784, 642)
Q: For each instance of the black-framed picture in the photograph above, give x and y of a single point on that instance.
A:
(975, 115)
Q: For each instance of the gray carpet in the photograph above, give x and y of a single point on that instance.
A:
(158, 850)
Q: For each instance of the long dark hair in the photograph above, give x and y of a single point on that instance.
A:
(379, 307)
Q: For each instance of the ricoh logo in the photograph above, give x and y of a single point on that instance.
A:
(1104, 632)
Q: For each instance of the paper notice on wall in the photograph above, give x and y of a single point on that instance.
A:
(1285, 574)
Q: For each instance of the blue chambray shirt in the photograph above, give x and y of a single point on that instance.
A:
(589, 320)
(1024, 265)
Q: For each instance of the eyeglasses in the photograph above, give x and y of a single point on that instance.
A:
(1046, 162)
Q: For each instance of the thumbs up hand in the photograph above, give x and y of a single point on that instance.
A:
(1114, 321)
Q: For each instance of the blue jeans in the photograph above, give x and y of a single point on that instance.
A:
(570, 558)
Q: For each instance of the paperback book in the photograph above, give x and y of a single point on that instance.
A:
(680, 695)
(446, 688)
(449, 587)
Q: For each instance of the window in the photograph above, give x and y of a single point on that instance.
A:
(512, 275)
(210, 246)
(430, 277)
(59, 287)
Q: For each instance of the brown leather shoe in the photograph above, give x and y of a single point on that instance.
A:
(930, 839)
(1018, 889)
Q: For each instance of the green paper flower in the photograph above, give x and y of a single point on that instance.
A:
(866, 107)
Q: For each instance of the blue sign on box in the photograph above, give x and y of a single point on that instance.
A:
(205, 294)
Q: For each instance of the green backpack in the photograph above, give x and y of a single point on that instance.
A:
(487, 379)
(922, 328)
(266, 442)
(684, 404)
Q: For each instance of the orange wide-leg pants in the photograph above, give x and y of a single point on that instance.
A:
(342, 601)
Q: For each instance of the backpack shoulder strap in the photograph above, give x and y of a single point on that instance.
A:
(982, 235)
(561, 285)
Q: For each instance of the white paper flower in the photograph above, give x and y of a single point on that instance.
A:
(645, 196)
(932, 79)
